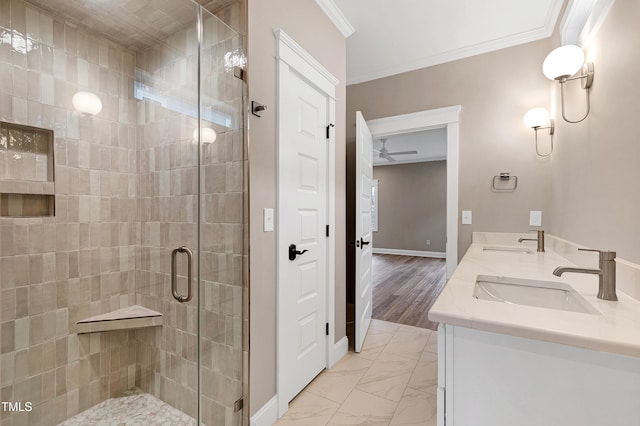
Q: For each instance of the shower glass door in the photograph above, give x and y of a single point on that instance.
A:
(221, 225)
(122, 301)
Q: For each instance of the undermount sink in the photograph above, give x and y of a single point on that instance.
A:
(508, 249)
(541, 294)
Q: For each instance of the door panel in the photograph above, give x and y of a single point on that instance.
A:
(363, 236)
(308, 225)
(302, 154)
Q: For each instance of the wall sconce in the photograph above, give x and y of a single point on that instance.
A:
(208, 135)
(564, 62)
(87, 103)
(538, 119)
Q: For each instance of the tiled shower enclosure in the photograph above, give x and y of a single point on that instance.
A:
(92, 205)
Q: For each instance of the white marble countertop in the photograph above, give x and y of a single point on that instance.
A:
(616, 330)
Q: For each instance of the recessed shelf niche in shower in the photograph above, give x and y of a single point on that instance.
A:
(27, 185)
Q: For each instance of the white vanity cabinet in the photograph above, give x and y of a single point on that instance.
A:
(494, 379)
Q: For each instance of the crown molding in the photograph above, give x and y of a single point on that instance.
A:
(534, 34)
(455, 54)
(336, 16)
(582, 20)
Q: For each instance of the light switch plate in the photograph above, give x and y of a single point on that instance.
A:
(535, 218)
(268, 220)
(466, 217)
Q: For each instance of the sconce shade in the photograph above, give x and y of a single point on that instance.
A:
(87, 103)
(564, 61)
(208, 135)
(536, 117)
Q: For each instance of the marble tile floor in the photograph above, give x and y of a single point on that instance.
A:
(135, 408)
(391, 382)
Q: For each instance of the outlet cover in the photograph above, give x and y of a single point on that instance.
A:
(535, 218)
(466, 217)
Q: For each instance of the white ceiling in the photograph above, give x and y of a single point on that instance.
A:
(431, 146)
(404, 35)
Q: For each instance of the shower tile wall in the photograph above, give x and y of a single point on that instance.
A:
(126, 182)
(54, 271)
(167, 212)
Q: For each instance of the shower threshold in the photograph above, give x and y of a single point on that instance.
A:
(135, 408)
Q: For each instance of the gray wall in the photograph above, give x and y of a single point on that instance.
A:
(596, 163)
(412, 206)
(307, 24)
(495, 90)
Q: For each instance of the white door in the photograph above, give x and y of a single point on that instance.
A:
(364, 174)
(302, 241)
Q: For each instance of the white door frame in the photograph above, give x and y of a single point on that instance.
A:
(291, 55)
(423, 120)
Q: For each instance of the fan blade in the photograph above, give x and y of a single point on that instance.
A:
(387, 157)
(403, 152)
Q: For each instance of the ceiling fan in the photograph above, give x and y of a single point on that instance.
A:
(384, 153)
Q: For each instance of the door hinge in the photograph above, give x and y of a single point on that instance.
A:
(239, 73)
(327, 230)
(238, 405)
(326, 329)
(328, 127)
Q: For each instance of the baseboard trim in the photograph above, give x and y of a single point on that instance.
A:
(338, 350)
(267, 415)
(417, 253)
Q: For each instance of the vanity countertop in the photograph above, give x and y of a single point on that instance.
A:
(616, 330)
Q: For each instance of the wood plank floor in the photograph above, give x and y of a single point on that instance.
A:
(405, 288)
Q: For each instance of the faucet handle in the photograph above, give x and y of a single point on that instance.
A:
(604, 254)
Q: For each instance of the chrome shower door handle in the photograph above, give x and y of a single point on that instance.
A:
(174, 274)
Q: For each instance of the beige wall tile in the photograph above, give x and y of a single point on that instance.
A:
(7, 305)
(22, 302)
(21, 365)
(35, 359)
(36, 330)
(7, 273)
(7, 337)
